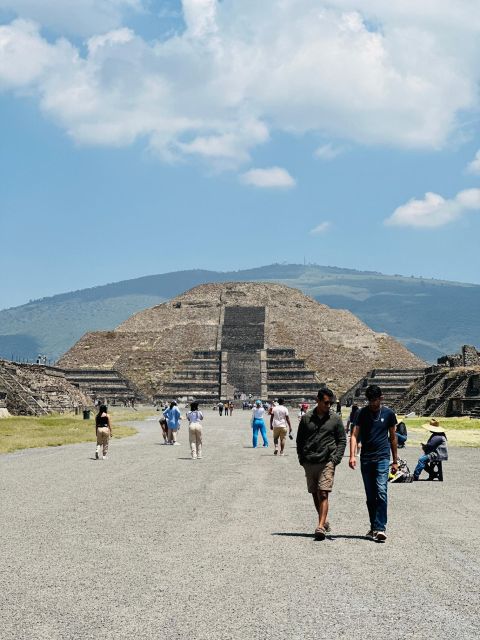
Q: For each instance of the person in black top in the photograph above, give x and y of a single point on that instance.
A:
(321, 443)
(375, 427)
(103, 429)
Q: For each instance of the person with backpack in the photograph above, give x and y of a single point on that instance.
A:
(103, 430)
(195, 417)
(435, 449)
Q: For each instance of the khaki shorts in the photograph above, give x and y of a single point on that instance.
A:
(319, 476)
(280, 432)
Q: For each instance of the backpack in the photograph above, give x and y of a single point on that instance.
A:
(403, 474)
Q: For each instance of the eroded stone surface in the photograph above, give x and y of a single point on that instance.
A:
(149, 346)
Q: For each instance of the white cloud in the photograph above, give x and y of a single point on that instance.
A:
(272, 178)
(328, 152)
(474, 166)
(320, 229)
(240, 70)
(73, 17)
(434, 210)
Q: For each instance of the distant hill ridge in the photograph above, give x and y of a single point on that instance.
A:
(431, 317)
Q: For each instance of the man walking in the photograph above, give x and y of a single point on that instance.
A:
(279, 420)
(375, 428)
(321, 443)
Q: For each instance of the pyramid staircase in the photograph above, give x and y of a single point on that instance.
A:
(18, 398)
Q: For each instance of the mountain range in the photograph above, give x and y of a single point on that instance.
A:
(430, 317)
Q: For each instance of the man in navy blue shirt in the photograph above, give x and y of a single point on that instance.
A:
(375, 429)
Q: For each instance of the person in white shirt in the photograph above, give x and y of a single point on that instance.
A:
(195, 417)
(258, 424)
(279, 420)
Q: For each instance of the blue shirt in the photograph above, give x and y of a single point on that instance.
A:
(173, 417)
(374, 428)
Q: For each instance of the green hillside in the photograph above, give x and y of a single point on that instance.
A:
(431, 317)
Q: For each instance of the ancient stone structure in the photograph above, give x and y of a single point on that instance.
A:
(217, 340)
(27, 389)
(393, 382)
(449, 388)
(104, 385)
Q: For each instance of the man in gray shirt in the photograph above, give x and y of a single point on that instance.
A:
(321, 442)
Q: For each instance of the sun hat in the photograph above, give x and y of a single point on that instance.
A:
(433, 426)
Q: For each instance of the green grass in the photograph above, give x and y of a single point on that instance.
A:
(461, 432)
(26, 432)
(450, 424)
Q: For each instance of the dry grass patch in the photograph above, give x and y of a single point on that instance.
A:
(26, 432)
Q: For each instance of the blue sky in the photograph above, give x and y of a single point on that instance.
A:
(144, 137)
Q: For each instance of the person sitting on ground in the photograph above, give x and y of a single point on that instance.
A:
(401, 433)
(103, 429)
(435, 450)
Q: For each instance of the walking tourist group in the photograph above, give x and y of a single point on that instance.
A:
(375, 436)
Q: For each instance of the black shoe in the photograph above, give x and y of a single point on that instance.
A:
(379, 536)
(96, 455)
(369, 534)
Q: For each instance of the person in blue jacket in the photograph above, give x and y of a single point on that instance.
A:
(173, 417)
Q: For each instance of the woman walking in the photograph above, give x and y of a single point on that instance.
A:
(172, 414)
(103, 429)
(195, 417)
(258, 424)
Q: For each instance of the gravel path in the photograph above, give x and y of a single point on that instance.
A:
(150, 544)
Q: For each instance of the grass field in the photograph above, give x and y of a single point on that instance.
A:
(26, 432)
(461, 432)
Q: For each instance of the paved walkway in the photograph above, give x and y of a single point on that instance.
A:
(150, 544)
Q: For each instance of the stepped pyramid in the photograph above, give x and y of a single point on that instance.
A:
(221, 339)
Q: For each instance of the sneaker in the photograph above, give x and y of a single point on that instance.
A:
(96, 455)
(327, 527)
(370, 534)
(104, 457)
(275, 452)
(199, 457)
(194, 457)
(176, 444)
(282, 453)
(319, 533)
(379, 536)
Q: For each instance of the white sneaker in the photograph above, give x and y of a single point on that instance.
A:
(104, 457)
(176, 443)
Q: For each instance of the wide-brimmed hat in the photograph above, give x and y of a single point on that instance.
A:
(433, 426)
